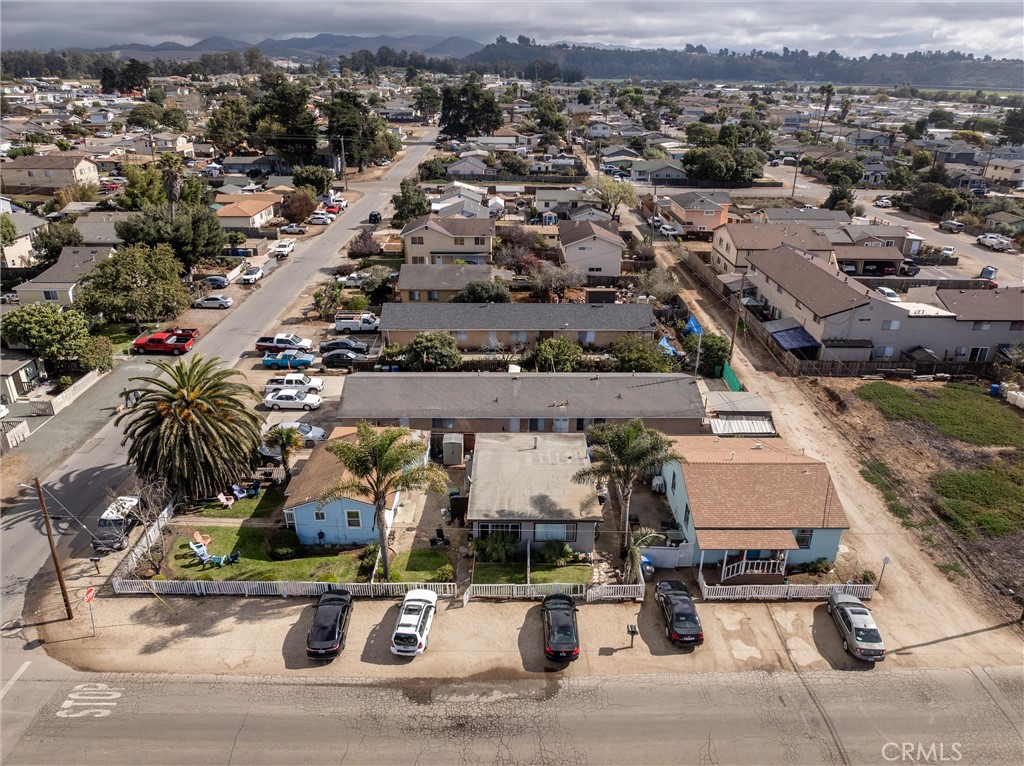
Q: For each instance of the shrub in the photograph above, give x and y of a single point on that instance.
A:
(327, 578)
(158, 577)
(818, 566)
(283, 544)
(869, 577)
(445, 573)
(65, 382)
(497, 547)
(369, 554)
(357, 303)
(557, 553)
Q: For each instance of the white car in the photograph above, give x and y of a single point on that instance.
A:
(353, 280)
(414, 619)
(284, 247)
(888, 294)
(214, 302)
(320, 219)
(883, 202)
(251, 275)
(310, 434)
(655, 221)
(292, 399)
(668, 230)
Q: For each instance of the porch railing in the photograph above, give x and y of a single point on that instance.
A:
(779, 592)
(754, 566)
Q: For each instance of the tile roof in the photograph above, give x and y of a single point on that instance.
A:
(811, 281)
(571, 232)
(571, 317)
(765, 236)
(373, 395)
(984, 305)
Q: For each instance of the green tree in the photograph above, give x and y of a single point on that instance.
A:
(611, 193)
(98, 354)
(513, 164)
(700, 135)
(842, 172)
(8, 231)
(174, 119)
(749, 165)
(637, 353)
(328, 299)
(620, 452)
(431, 169)
(1012, 130)
(49, 333)
(317, 177)
(228, 126)
(921, 159)
(280, 120)
(469, 110)
(156, 96)
(556, 355)
(714, 352)
(171, 170)
(483, 292)
(146, 116)
(350, 125)
(138, 283)
(839, 197)
(585, 96)
(20, 151)
(428, 101)
(636, 541)
(936, 174)
(432, 352)
(715, 163)
(379, 463)
(194, 234)
(49, 240)
(288, 440)
(145, 188)
(192, 427)
(299, 204)
(828, 92)
(899, 177)
(410, 202)
(729, 136)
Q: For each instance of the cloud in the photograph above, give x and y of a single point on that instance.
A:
(852, 28)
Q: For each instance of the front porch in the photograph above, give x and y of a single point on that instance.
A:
(746, 552)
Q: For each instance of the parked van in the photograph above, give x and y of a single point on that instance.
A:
(122, 514)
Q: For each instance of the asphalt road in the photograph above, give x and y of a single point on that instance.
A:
(761, 718)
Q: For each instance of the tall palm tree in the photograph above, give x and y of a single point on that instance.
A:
(286, 439)
(170, 172)
(638, 539)
(827, 92)
(192, 427)
(381, 462)
(620, 453)
(844, 109)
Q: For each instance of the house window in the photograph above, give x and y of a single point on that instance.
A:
(536, 424)
(890, 324)
(419, 259)
(487, 529)
(31, 173)
(884, 352)
(778, 289)
(433, 295)
(353, 520)
(1016, 326)
(803, 538)
(563, 532)
(890, 243)
(976, 326)
(460, 240)
(50, 295)
(709, 212)
(442, 423)
(686, 517)
(586, 336)
(414, 295)
(478, 241)
(517, 336)
(416, 240)
(979, 354)
(460, 334)
(595, 269)
(319, 515)
(673, 482)
(799, 305)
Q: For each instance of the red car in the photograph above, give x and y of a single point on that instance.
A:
(109, 187)
(333, 209)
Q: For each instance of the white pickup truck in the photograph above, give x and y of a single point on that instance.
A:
(995, 241)
(295, 380)
(347, 321)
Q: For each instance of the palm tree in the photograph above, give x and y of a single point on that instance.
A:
(170, 172)
(288, 440)
(191, 427)
(844, 109)
(827, 91)
(620, 453)
(380, 462)
(638, 539)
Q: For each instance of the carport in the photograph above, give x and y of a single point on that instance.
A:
(798, 342)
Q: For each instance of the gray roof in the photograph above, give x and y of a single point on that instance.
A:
(809, 217)
(701, 200)
(72, 264)
(98, 228)
(389, 395)
(984, 305)
(529, 477)
(26, 223)
(812, 281)
(429, 276)
(731, 403)
(625, 317)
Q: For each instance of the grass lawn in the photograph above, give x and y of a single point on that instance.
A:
(499, 574)
(255, 563)
(261, 506)
(988, 501)
(577, 573)
(417, 565)
(121, 334)
(958, 410)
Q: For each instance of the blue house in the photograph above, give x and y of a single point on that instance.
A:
(346, 521)
(752, 506)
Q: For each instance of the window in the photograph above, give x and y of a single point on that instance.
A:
(709, 212)
(799, 305)
(517, 336)
(976, 326)
(433, 295)
(416, 240)
(460, 241)
(478, 241)
(890, 243)
(595, 269)
(442, 423)
(581, 248)
(50, 295)
(536, 424)
(778, 289)
(979, 354)
(414, 295)
(460, 334)
(890, 324)
(353, 520)
(319, 516)
(487, 529)
(31, 174)
(803, 537)
(1016, 326)
(884, 352)
(564, 532)
(686, 517)
(673, 482)
(586, 336)
(419, 259)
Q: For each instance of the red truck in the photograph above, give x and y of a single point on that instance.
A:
(171, 340)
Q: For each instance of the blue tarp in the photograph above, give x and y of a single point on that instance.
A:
(794, 338)
(668, 348)
(693, 326)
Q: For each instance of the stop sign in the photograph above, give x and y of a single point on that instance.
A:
(90, 594)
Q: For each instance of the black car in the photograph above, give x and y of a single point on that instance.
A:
(217, 283)
(375, 217)
(561, 636)
(344, 344)
(341, 358)
(330, 624)
(682, 625)
(107, 542)
(267, 457)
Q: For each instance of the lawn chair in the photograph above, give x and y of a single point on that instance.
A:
(201, 539)
(198, 548)
(254, 489)
(223, 561)
(206, 558)
(237, 491)
(225, 501)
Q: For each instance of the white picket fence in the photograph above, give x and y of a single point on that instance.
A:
(779, 592)
(536, 590)
(132, 585)
(126, 567)
(634, 592)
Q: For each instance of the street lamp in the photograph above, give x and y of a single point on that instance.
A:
(53, 548)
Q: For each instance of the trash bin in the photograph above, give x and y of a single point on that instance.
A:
(993, 390)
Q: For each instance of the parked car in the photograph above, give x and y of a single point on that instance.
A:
(883, 202)
(292, 399)
(109, 541)
(294, 228)
(856, 627)
(412, 631)
(375, 217)
(994, 241)
(889, 294)
(561, 633)
(333, 208)
(326, 637)
(341, 358)
(284, 248)
(909, 268)
(310, 434)
(344, 344)
(269, 458)
(213, 302)
(668, 230)
(682, 625)
(954, 226)
(319, 220)
(655, 221)
(847, 268)
(216, 282)
(251, 275)
(352, 280)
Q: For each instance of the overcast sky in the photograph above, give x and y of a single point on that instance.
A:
(852, 27)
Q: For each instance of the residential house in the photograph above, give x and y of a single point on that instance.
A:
(99, 229)
(347, 520)
(18, 254)
(515, 402)
(424, 282)
(895, 242)
(20, 372)
(434, 240)
(1009, 173)
(1003, 218)
(522, 485)
(507, 326)
(163, 143)
(462, 208)
(818, 219)
(751, 508)
(657, 172)
(734, 243)
(696, 211)
(47, 173)
(594, 248)
(598, 129)
(469, 167)
(101, 117)
(59, 283)
(252, 213)
(560, 201)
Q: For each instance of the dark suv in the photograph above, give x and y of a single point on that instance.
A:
(375, 217)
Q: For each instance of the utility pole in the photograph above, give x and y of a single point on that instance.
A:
(53, 551)
(796, 169)
(344, 170)
(739, 314)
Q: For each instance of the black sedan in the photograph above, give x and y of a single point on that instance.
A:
(330, 624)
(682, 625)
(344, 344)
(561, 636)
(342, 358)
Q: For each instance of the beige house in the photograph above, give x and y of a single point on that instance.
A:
(734, 243)
(423, 283)
(18, 254)
(1006, 173)
(47, 173)
(59, 283)
(246, 214)
(595, 249)
(434, 240)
